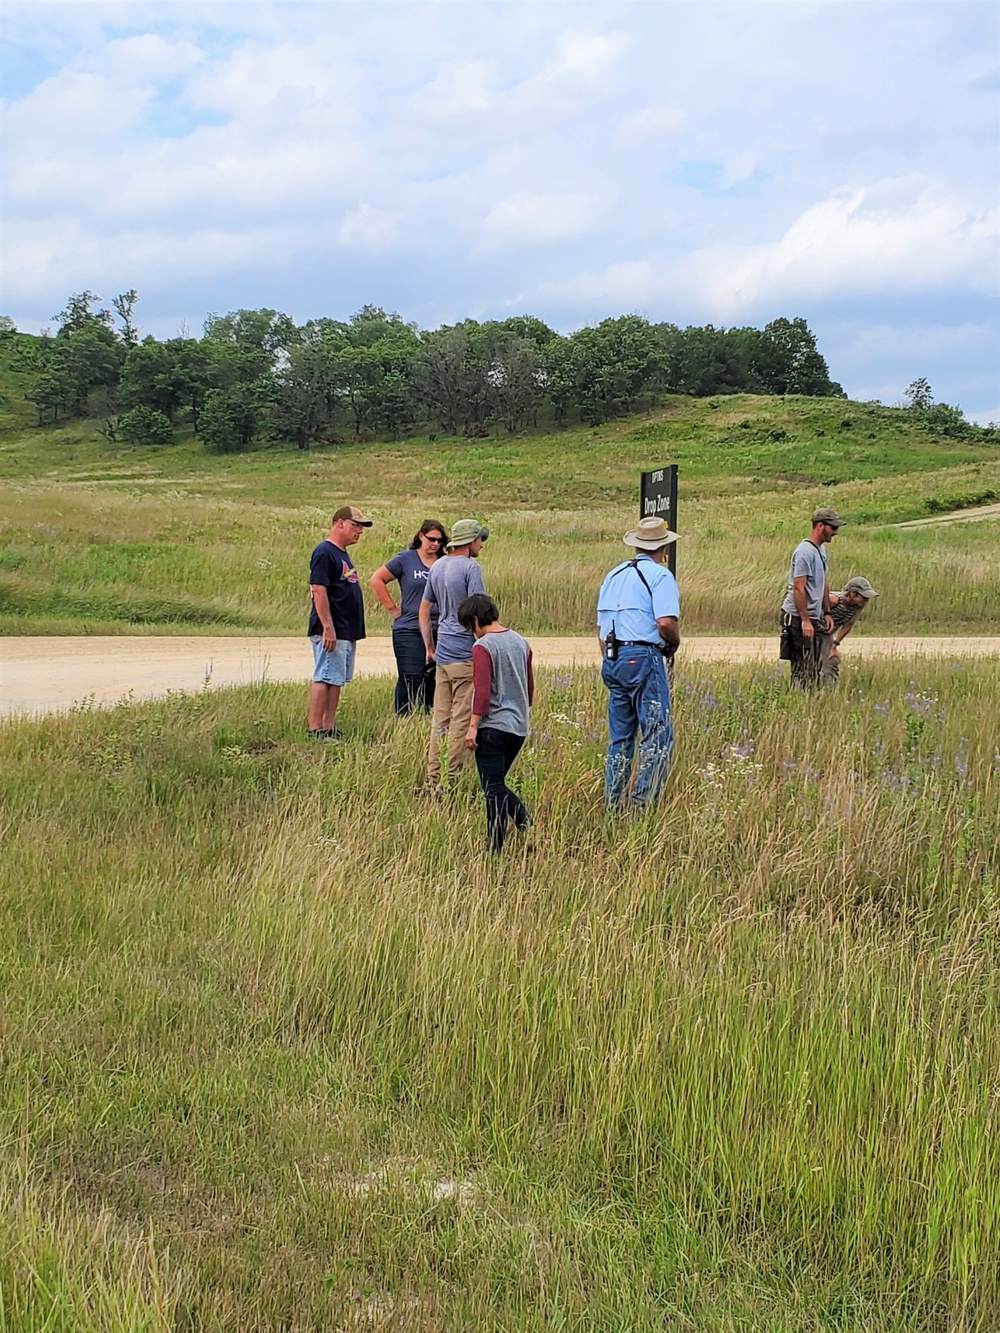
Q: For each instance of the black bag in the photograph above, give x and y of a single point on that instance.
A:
(785, 653)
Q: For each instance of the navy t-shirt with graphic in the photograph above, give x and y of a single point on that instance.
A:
(411, 572)
(332, 569)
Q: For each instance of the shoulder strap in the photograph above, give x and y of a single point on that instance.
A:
(635, 565)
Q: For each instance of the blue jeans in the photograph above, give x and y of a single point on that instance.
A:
(415, 679)
(638, 705)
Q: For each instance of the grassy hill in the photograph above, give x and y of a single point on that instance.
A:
(283, 1050)
(102, 539)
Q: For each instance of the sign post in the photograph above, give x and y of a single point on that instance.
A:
(658, 499)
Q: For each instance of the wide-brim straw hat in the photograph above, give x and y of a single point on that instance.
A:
(649, 535)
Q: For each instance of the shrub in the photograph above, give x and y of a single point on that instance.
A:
(144, 425)
(228, 421)
(944, 504)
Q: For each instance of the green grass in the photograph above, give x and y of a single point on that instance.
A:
(95, 539)
(281, 1050)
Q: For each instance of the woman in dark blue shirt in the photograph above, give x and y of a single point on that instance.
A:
(415, 683)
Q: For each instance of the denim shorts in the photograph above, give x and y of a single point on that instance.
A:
(335, 668)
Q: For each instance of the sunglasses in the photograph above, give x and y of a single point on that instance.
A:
(432, 537)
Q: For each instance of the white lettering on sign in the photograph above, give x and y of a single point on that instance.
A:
(657, 476)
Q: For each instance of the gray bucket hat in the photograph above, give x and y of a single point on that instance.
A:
(861, 585)
(465, 532)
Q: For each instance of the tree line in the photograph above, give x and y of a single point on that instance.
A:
(255, 375)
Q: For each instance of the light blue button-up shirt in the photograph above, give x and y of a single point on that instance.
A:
(625, 603)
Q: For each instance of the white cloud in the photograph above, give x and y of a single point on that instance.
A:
(367, 228)
(723, 162)
(467, 95)
(541, 219)
(149, 58)
(72, 109)
(68, 258)
(293, 86)
(897, 235)
(990, 417)
(655, 121)
(893, 238)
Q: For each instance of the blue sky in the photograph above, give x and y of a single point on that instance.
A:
(723, 163)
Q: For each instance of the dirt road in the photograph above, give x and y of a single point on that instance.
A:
(46, 675)
(956, 516)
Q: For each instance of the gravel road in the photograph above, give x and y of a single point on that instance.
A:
(47, 675)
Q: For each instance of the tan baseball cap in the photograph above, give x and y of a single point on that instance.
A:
(350, 514)
(828, 516)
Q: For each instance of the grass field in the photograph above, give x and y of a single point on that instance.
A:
(101, 540)
(281, 1051)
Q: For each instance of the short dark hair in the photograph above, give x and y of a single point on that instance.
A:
(479, 607)
(429, 525)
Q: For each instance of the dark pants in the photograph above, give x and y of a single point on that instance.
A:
(415, 681)
(810, 659)
(495, 753)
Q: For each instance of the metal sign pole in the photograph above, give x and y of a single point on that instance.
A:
(658, 499)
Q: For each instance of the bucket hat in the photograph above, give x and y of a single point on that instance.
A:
(465, 532)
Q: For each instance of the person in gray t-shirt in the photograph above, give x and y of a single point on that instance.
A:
(806, 608)
(504, 687)
(450, 581)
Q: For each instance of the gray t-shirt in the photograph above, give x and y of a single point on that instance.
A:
(451, 580)
(810, 560)
(412, 573)
(506, 708)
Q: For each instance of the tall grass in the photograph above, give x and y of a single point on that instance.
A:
(123, 541)
(284, 1049)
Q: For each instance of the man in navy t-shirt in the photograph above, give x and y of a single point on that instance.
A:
(336, 620)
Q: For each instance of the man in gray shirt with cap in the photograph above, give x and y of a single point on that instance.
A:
(845, 609)
(805, 612)
(449, 582)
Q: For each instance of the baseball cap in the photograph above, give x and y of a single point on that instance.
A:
(354, 515)
(829, 516)
(858, 584)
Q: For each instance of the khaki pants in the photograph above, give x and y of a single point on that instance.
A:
(452, 711)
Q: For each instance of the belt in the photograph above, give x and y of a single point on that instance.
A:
(639, 643)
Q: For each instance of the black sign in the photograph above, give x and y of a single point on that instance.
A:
(658, 499)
